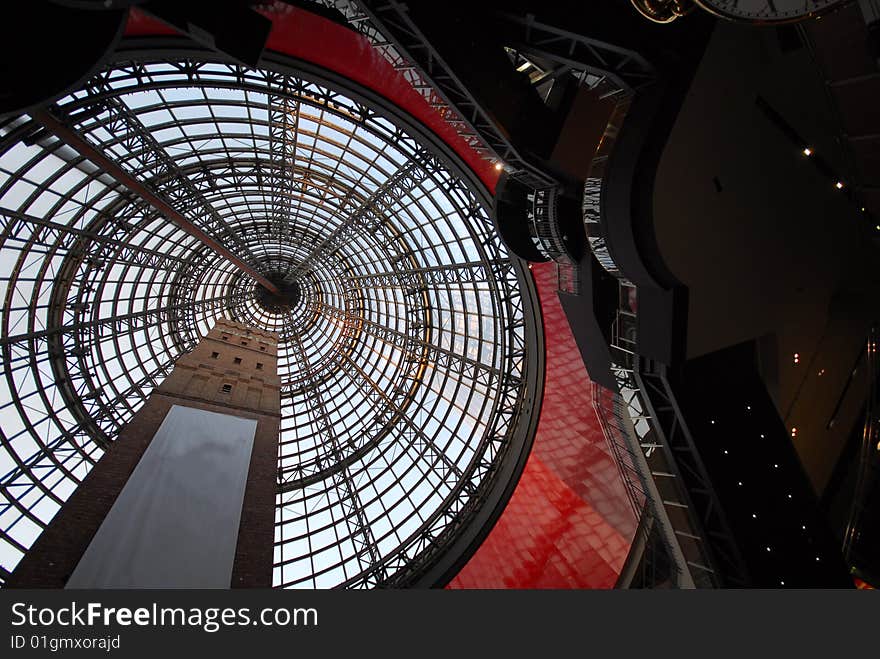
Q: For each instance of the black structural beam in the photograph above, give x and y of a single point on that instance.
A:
(86, 150)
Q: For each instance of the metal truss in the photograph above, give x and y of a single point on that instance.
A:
(388, 25)
(150, 163)
(626, 69)
(283, 120)
(682, 525)
(92, 246)
(510, 409)
(365, 24)
(662, 512)
(469, 273)
(685, 466)
(616, 70)
(393, 404)
(312, 376)
(345, 489)
(477, 371)
(370, 215)
(409, 365)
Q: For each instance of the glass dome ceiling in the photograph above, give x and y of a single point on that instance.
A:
(410, 354)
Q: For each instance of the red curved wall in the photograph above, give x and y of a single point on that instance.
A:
(568, 523)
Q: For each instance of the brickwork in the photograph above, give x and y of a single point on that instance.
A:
(197, 381)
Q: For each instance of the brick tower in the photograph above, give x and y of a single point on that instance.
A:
(185, 497)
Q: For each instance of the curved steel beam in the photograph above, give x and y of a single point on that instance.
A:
(86, 150)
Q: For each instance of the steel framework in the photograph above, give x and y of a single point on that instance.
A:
(410, 359)
(549, 50)
(388, 26)
(625, 69)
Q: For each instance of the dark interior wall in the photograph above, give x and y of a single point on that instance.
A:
(765, 243)
(772, 244)
(767, 499)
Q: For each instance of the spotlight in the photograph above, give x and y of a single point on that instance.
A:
(839, 185)
(808, 151)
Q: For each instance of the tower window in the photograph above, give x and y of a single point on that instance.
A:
(237, 360)
(215, 355)
(259, 366)
(262, 348)
(226, 389)
(244, 343)
(225, 337)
